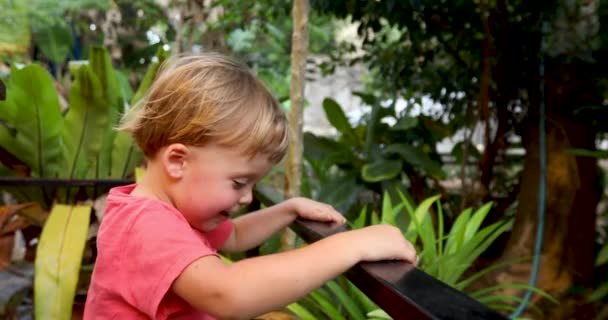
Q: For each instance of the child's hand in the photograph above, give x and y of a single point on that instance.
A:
(314, 210)
(383, 242)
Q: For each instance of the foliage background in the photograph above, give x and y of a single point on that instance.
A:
(481, 61)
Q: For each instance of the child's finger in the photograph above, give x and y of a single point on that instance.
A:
(336, 217)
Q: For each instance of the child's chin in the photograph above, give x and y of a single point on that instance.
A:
(212, 224)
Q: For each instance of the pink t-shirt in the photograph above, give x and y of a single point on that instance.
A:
(143, 246)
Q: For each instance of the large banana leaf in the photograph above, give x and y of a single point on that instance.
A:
(125, 154)
(54, 40)
(101, 65)
(58, 260)
(148, 78)
(34, 121)
(86, 122)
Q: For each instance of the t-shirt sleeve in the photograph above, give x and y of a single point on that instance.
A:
(160, 247)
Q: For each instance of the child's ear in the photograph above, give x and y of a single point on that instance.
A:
(174, 160)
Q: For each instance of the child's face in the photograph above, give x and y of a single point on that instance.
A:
(216, 181)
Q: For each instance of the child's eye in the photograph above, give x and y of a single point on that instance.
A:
(238, 184)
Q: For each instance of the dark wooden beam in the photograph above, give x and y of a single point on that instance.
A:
(399, 288)
(58, 182)
(402, 290)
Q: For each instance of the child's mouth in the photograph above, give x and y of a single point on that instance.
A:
(225, 214)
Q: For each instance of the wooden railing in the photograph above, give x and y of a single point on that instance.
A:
(402, 290)
(399, 288)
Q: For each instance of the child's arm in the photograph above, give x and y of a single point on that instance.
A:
(258, 285)
(250, 230)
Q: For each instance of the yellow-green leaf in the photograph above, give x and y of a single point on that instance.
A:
(58, 260)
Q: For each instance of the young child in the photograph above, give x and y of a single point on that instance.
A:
(210, 131)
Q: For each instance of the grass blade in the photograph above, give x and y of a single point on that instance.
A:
(326, 306)
(301, 312)
(349, 304)
(476, 221)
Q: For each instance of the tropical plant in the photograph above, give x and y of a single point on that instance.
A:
(373, 155)
(601, 291)
(58, 260)
(338, 299)
(448, 255)
(504, 67)
(41, 141)
(260, 35)
(49, 23)
(80, 144)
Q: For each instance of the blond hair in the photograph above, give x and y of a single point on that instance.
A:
(198, 99)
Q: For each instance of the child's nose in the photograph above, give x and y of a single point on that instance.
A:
(246, 197)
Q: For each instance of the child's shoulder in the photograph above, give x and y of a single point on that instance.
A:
(120, 199)
(124, 211)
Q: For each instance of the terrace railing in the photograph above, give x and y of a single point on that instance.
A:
(399, 288)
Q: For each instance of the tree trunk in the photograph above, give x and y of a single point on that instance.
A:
(293, 165)
(572, 189)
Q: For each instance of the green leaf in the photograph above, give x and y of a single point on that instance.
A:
(484, 291)
(341, 192)
(456, 235)
(86, 124)
(126, 155)
(327, 306)
(58, 259)
(361, 219)
(101, 66)
(405, 123)
(381, 169)
(476, 220)
(338, 119)
(367, 98)
(602, 256)
(365, 302)
(599, 293)
(500, 297)
(375, 219)
(379, 314)
(601, 154)
(348, 302)
(301, 312)
(390, 213)
(32, 108)
(464, 258)
(440, 230)
(322, 148)
(124, 86)
(463, 284)
(418, 216)
(416, 158)
(55, 41)
(148, 78)
(406, 202)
